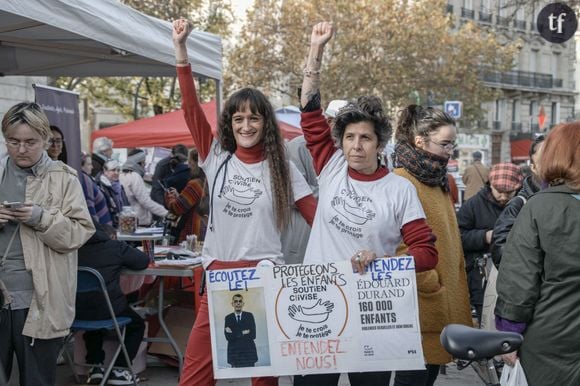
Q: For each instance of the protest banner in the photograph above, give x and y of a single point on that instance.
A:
(62, 110)
(317, 318)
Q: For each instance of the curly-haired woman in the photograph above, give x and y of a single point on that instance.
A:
(251, 185)
(364, 211)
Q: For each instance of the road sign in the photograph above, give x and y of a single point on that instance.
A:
(453, 108)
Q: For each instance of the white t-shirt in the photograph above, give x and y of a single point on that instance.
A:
(355, 215)
(242, 225)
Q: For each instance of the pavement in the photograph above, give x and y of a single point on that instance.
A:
(158, 374)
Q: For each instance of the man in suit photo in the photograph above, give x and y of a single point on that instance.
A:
(240, 332)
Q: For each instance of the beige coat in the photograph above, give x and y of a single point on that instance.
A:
(50, 248)
(443, 293)
(475, 177)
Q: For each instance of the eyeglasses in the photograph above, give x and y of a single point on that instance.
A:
(28, 144)
(448, 146)
(56, 141)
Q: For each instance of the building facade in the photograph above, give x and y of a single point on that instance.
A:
(539, 91)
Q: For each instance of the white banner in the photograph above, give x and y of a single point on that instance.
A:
(309, 319)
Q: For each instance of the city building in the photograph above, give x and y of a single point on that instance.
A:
(537, 93)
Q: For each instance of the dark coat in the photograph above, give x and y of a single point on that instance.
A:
(539, 284)
(475, 217)
(508, 216)
(179, 178)
(162, 171)
(241, 347)
(108, 257)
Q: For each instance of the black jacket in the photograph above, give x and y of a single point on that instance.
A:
(508, 216)
(108, 257)
(475, 217)
(177, 179)
(162, 171)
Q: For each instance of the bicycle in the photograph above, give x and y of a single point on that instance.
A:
(474, 346)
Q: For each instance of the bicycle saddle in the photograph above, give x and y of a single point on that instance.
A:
(471, 343)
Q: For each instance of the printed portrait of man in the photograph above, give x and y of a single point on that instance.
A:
(240, 332)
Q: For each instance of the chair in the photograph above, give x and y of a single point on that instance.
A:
(88, 280)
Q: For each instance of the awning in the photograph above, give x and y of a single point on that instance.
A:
(520, 150)
(95, 38)
(166, 130)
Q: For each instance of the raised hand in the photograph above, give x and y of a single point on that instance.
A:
(181, 30)
(321, 33)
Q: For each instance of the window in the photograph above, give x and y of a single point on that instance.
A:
(515, 110)
(555, 61)
(555, 113)
(533, 112)
(533, 60)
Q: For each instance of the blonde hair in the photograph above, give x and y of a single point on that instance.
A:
(28, 113)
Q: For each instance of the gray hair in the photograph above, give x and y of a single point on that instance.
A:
(101, 144)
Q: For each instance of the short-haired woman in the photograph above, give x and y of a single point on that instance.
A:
(376, 210)
(41, 229)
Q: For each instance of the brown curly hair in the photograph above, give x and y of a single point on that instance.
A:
(274, 148)
(367, 108)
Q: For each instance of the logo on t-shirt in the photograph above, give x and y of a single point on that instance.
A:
(242, 191)
(353, 211)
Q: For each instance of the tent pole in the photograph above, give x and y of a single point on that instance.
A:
(218, 100)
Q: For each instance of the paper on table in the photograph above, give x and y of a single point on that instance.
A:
(162, 250)
(140, 231)
(184, 262)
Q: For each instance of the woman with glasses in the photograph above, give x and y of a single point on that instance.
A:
(425, 140)
(57, 149)
(44, 220)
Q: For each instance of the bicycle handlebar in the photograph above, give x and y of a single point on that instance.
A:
(471, 343)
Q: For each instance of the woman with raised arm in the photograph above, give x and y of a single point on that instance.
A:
(251, 186)
(425, 141)
(377, 209)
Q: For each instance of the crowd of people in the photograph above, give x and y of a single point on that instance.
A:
(53, 218)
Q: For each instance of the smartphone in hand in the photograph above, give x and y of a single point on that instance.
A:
(13, 205)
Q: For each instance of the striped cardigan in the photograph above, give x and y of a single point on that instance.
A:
(185, 205)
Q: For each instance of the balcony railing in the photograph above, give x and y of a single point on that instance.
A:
(516, 127)
(520, 24)
(496, 125)
(503, 21)
(467, 13)
(484, 17)
(558, 83)
(523, 78)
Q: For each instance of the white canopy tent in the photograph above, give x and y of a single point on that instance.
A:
(94, 38)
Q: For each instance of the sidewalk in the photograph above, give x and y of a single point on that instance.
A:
(159, 375)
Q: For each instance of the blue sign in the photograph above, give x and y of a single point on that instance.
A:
(453, 108)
